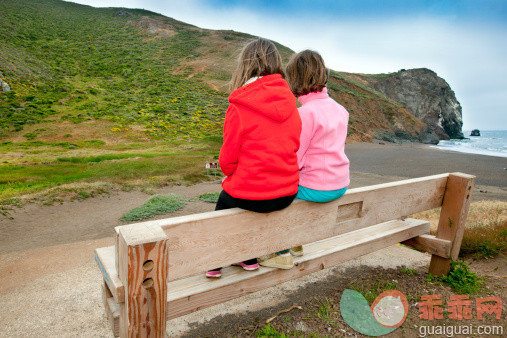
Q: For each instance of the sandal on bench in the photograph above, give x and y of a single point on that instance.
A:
(215, 273)
(249, 265)
(297, 251)
(276, 260)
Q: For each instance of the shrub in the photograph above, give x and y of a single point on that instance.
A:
(210, 197)
(408, 271)
(268, 331)
(462, 280)
(156, 205)
(30, 136)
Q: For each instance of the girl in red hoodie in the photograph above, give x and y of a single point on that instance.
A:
(261, 137)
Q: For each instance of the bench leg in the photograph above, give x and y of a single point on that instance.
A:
(142, 263)
(451, 224)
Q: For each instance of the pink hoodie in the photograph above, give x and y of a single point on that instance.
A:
(323, 164)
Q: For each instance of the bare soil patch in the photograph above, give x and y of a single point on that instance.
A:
(316, 306)
(36, 226)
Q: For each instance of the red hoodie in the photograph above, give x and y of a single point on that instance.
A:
(261, 138)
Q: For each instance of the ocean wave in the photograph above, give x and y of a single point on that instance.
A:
(490, 143)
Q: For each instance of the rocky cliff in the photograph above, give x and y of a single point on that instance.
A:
(426, 95)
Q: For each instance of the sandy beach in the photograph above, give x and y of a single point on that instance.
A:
(50, 284)
(411, 160)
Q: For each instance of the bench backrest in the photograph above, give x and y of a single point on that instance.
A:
(219, 238)
(150, 254)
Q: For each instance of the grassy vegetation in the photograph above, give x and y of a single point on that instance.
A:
(210, 197)
(96, 96)
(157, 168)
(408, 271)
(77, 71)
(486, 241)
(325, 311)
(82, 63)
(268, 331)
(485, 233)
(162, 204)
(157, 205)
(372, 92)
(460, 279)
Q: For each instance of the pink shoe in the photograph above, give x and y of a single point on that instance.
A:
(249, 265)
(214, 273)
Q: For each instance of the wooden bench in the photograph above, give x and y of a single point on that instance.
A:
(156, 269)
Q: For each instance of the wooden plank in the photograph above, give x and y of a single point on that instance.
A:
(142, 264)
(430, 244)
(210, 240)
(105, 259)
(112, 310)
(197, 292)
(114, 319)
(452, 220)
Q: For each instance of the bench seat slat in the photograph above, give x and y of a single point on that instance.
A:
(197, 292)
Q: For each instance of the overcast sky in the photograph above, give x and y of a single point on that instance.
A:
(463, 41)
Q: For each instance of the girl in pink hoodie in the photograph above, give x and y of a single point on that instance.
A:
(323, 165)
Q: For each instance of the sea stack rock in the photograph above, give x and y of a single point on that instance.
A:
(427, 96)
(475, 132)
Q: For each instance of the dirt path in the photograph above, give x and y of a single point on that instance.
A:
(51, 287)
(35, 226)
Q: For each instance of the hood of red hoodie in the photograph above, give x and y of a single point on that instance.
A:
(269, 96)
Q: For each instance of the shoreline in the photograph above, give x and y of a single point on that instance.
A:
(462, 152)
(412, 160)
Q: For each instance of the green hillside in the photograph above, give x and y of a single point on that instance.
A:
(127, 97)
(82, 63)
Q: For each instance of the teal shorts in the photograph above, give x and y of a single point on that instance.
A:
(312, 195)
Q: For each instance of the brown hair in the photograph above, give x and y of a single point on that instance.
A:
(306, 73)
(258, 58)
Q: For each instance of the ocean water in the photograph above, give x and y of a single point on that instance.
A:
(491, 143)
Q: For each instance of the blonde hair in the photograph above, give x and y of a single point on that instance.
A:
(306, 73)
(258, 58)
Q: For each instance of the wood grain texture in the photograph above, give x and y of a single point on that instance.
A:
(451, 225)
(363, 220)
(213, 239)
(219, 238)
(142, 263)
(197, 292)
(430, 244)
